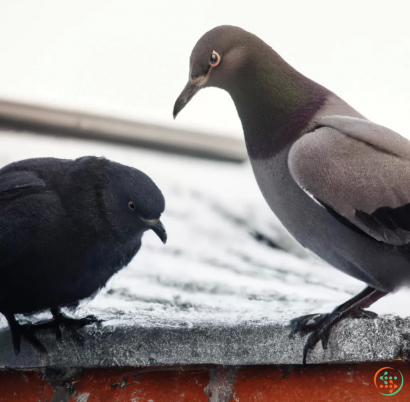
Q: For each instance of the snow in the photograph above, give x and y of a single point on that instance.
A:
(213, 268)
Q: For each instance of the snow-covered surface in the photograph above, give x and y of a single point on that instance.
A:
(219, 265)
(212, 263)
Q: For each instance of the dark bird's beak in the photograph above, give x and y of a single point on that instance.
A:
(157, 226)
(191, 88)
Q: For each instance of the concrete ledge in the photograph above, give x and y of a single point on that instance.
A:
(124, 343)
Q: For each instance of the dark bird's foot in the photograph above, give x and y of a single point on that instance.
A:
(61, 319)
(319, 325)
(26, 331)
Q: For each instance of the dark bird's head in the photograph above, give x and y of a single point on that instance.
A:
(216, 60)
(134, 201)
(114, 198)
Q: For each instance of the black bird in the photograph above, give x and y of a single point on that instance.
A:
(338, 182)
(66, 227)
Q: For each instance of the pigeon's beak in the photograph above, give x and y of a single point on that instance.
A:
(191, 88)
(157, 226)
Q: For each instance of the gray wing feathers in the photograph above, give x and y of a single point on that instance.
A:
(380, 137)
(355, 167)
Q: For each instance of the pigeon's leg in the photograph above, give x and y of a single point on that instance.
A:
(319, 325)
(62, 319)
(17, 331)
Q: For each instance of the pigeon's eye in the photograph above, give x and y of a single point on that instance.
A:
(131, 205)
(215, 59)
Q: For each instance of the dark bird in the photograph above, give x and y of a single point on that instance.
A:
(337, 181)
(66, 227)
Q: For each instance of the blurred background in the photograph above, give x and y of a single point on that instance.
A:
(110, 72)
(130, 58)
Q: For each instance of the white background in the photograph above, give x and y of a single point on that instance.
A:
(130, 58)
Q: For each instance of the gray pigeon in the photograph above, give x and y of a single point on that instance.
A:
(336, 180)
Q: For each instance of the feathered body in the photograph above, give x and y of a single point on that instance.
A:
(337, 181)
(65, 228)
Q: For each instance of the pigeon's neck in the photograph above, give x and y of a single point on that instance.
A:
(275, 104)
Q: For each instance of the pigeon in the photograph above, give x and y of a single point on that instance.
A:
(337, 181)
(66, 227)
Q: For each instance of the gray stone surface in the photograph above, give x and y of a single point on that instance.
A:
(223, 289)
(126, 341)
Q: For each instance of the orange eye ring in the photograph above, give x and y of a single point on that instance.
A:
(215, 59)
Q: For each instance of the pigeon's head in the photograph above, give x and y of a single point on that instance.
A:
(133, 201)
(216, 60)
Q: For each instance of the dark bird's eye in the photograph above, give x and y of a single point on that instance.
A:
(131, 205)
(215, 59)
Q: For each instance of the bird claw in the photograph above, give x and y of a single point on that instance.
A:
(305, 324)
(67, 321)
(318, 327)
(315, 325)
(26, 331)
(320, 333)
(70, 322)
(61, 319)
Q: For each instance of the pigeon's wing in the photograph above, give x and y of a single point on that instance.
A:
(16, 183)
(359, 170)
(23, 216)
